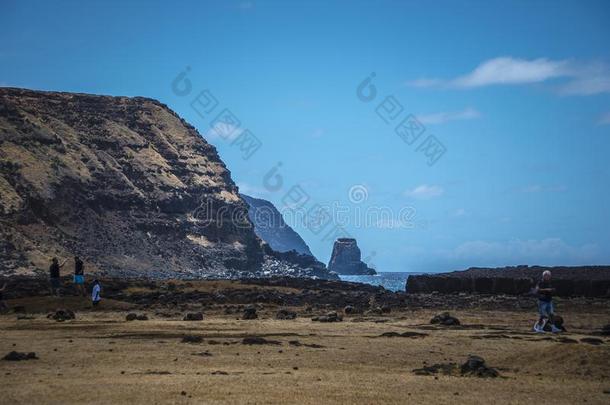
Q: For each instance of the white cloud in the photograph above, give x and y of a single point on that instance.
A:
(581, 78)
(442, 117)
(425, 191)
(604, 119)
(508, 70)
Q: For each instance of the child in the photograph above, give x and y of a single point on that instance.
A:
(95, 293)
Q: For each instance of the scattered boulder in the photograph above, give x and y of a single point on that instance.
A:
(132, 316)
(348, 310)
(476, 366)
(62, 315)
(192, 339)
(329, 317)
(407, 334)
(193, 316)
(258, 340)
(473, 367)
(18, 356)
(285, 314)
(249, 313)
(445, 319)
(19, 309)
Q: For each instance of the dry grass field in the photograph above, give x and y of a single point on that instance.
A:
(101, 358)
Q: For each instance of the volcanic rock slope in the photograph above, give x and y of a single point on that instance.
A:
(123, 182)
(269, 225)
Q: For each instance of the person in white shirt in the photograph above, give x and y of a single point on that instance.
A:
(95, 293)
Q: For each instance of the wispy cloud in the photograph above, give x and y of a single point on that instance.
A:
(443, 117)
(425, 191)
(511, 71)
(581, 78)
(604, 119)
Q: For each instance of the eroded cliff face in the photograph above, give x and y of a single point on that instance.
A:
(123, 182)
(346, 258)
(269, 225)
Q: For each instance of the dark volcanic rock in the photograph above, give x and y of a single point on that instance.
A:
(62, 315)
(445, 319)
(285, 314)
(269, 225)
(473, 367)
(329, 317)
(476, 366)
(193, 316)
(346, 258)
(257, 340)
(136, 317)
(249, 313)
(18, 356)
(192, 339)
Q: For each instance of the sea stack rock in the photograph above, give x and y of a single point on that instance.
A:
(346, 260)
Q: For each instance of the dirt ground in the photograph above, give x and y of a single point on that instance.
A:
(101, 358)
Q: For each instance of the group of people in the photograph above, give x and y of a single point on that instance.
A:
(78, 279)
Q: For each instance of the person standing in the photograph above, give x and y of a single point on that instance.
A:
(95, 293)
(54, 274)
(79, 276)
(545, 301)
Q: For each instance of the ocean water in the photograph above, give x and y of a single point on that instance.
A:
(394, 281)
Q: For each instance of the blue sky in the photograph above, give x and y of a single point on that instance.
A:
(517, 93)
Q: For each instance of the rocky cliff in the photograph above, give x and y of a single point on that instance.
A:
(123, 182)
(346, 258)
(590, 281)
(269, 225)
